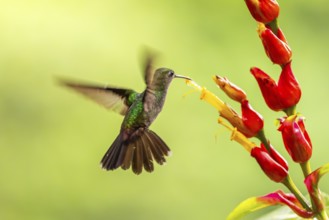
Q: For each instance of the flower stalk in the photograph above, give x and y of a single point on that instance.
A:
(306, 168)
(293, 189)
(282, 95)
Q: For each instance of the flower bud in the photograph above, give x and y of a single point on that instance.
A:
(276, 49)
(250, 118)
(263, 10)
(272, 163)
(231, 90)
(296, 139)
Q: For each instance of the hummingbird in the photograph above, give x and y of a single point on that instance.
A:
(136, 146)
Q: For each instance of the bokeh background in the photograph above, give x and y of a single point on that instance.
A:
(51, 139)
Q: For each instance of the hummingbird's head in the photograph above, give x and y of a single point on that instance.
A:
(163, 77)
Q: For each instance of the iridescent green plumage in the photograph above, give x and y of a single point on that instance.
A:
(135, 111)
(136, 146)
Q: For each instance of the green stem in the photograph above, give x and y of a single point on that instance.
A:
(316, 198)
(261, 136)
(293, 189)
(290, 111)
(322, 215)
(306, 168)
(318, 204)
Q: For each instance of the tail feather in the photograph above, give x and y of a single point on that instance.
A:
(137, 163)
(128, 158)
(138, 150)
(148, 160)
(110, 159)
(161, 144)
(156, 151)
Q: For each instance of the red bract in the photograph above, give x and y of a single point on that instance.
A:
(282, 95)
(312, 181)
(269, 89)
(296, 139)
(250, 118)
(276, 49)
(290, 200)
(281, 36)
(288, 86)
(263, 10)
(272, 163)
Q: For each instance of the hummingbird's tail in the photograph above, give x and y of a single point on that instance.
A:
(137, 149)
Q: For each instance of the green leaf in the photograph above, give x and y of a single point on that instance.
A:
(282, 213)
(247, 206)
(324, 170)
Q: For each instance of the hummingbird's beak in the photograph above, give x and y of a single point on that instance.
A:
(183, 77)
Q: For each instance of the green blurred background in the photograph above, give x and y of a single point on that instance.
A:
(51, 139)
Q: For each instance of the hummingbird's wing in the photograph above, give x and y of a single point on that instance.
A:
(115, 99)
(136, 148)
(148, 69)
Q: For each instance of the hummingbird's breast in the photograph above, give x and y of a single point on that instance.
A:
(153, 103)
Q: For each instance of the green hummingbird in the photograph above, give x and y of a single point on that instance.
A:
(136, 146)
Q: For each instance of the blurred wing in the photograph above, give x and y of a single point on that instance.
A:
(148, 69)
(115, 99)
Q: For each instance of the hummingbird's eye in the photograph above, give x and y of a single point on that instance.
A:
(171, 73)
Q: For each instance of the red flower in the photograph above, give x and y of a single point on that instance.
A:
(296, 139)
(263, 10)
(269, 89)
(282, 95)
(251, 122)
(275, 46)
(288, 87)
(272, 163)
(250, 118)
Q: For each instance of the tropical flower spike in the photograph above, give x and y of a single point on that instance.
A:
(284, 96)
